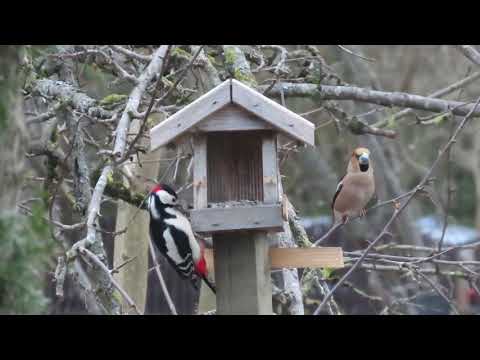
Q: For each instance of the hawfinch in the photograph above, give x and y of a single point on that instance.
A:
(356, 188)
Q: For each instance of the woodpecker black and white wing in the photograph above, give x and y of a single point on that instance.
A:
(174, 245)
(179, 251)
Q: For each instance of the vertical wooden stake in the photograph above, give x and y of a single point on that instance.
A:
(207, 298)
(242, 273)
(200, 171)
(270, 169)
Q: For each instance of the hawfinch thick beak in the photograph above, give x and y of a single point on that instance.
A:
(363, 159)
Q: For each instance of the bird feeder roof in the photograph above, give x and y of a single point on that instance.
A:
(233, 92)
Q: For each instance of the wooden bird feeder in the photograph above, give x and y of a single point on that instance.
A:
(236, 192)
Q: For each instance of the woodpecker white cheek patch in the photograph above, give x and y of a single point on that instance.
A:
(165, 197)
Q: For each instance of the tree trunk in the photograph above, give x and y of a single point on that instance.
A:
(12, 130)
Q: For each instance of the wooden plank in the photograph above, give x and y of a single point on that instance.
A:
(232, 118)
(269, 166)
(235, 166)
(190, 115)
(257, 217)
(291, 258)
(242, 274)
(200, 186)
(331, 257)
(275, 114)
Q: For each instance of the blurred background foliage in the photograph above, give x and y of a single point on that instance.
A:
(25, 243)
(26, 250)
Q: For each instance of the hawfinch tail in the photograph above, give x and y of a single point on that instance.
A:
(356, 188)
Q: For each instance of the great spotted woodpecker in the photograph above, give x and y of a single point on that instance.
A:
(172, 235)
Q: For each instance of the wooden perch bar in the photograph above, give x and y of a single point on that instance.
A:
(331, 257)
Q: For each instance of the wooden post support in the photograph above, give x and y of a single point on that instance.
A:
(242, 273)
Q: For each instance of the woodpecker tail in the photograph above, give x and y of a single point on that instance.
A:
(196, 282)
(209, 284)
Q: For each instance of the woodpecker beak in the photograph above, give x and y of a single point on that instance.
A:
(363, 159)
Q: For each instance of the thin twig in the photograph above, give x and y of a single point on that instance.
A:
(438, 291)
(182, 75)
(313, 111)
(163, 285)
(99, 263)
(56, 223)
(356, 54)
(117, 269)
(328, 233)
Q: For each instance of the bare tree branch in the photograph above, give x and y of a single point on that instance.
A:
(91, 256)
(161, 280)
(389, 99)
(134, 100)
(445, 91)
(66, 92)
(131, 54)
(470, 53)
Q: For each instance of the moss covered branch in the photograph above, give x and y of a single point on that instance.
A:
(237, 64)
(116, 189)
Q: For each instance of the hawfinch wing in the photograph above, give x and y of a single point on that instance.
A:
(353, 193)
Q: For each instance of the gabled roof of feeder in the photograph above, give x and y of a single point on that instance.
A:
(233, 91)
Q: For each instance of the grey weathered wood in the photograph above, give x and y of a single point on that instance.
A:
(269, 166)
(190, 115)
(275, 114)
(232, 91)
(235, 166)
(248, 217)
(200, 186)
(242, 274)
(232, 118)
